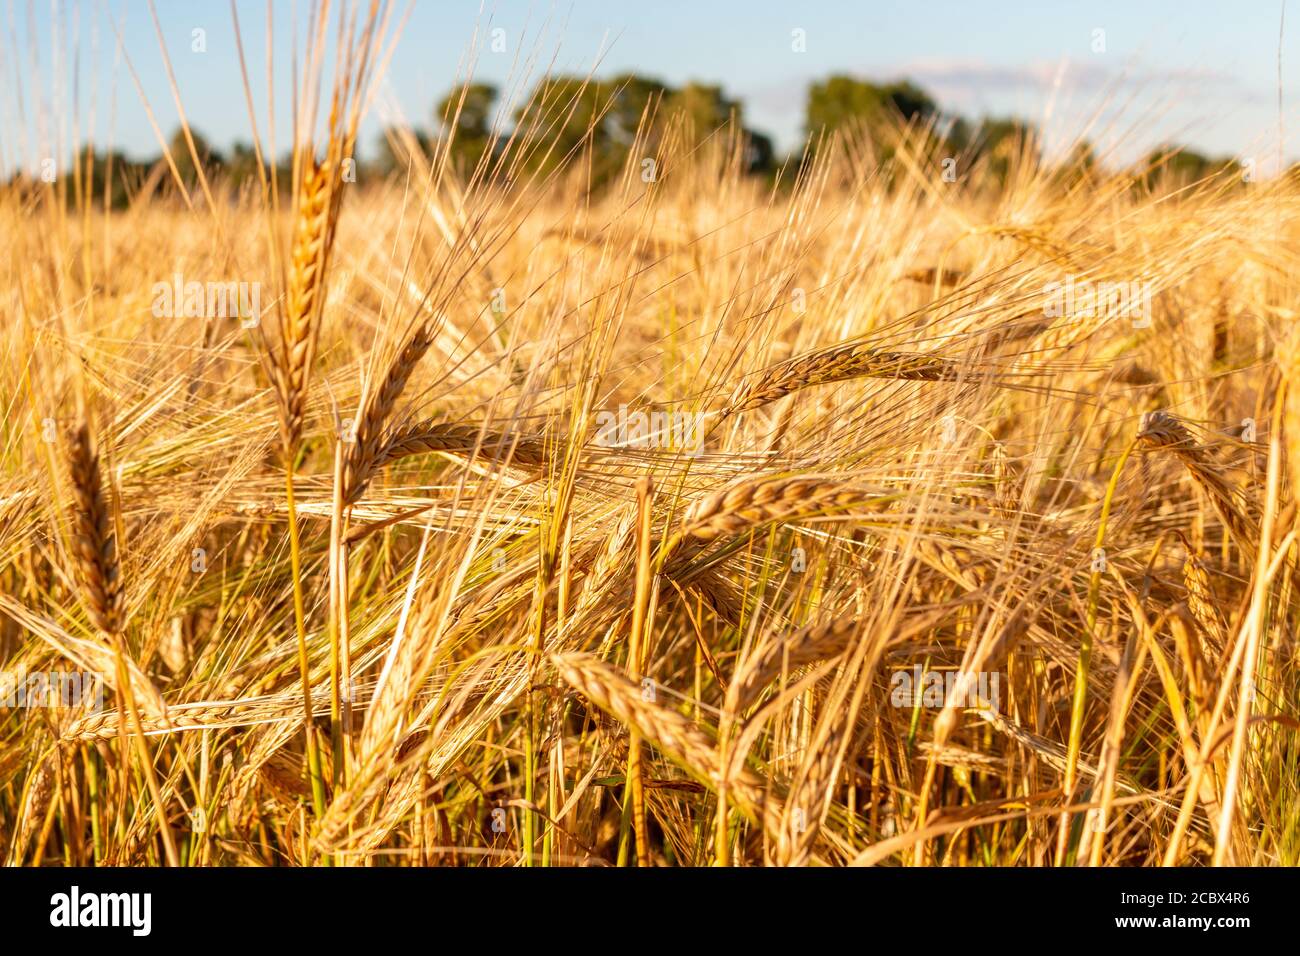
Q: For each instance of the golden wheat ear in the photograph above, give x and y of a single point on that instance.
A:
(1161, 430)
(369, 443)
(837, 365)
(672, 734)
(816, 642)
(425, 438)
(38, 795)
(756, 501)
(1201, 600)
(316, 210)
(94, 543)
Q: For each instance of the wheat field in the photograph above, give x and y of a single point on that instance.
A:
(525, 523)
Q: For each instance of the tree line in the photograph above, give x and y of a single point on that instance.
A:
(605, 120)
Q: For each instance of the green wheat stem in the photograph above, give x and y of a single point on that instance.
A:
(1085, 647)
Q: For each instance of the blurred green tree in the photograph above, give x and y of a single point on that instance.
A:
(393, 149)
(996, 142)
(840, 101)
(565, 115)
(471, 109)
(210, 158)
(568, 114)
(1175, 166)
(241, 167)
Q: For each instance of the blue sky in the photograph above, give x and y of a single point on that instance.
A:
(1196, 72)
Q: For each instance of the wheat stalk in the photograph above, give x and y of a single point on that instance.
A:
(316, 210)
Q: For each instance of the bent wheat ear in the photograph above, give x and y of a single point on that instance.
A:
(425, 437)
(1007, 484)
(931, 274)
(1201, 600)
(671, 733)
(36, 802)
(816, 642)
(94, 543)
(721, 596)
(1166, 432)
(1049, 751)
(810, 797)
(838, 365)
(607, 563)
(368, 444)
(753, 502)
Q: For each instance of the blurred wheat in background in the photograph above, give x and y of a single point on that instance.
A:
(366, 586)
